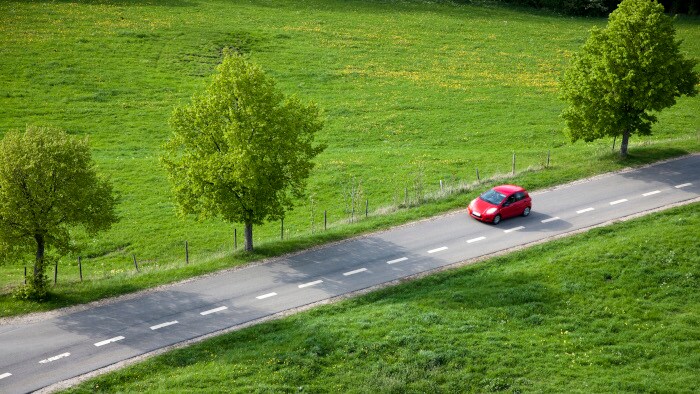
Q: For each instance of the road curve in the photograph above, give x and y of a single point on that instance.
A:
(37, 354)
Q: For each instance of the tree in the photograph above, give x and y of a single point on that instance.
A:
(48, 184)
(625, 73)
(242, 150)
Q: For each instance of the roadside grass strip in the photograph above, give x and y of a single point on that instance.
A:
(108, 341)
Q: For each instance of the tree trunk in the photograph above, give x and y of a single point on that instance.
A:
(623, 145)
(248, 237)
(39, 262)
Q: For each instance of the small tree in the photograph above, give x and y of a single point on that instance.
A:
(242, 150)
(624, 73)
(48, 184)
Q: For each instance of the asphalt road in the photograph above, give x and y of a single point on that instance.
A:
(36, 354)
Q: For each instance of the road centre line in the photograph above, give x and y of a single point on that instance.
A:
(437, 250)
(310, 284)
(170, 323)
(355, 272)
(268, 295)
(219, 309)
(683, 185)
(618, 201)
(54, 358)
(110, 340)
(651, 193)
(585, 210)
(5, 375)
(475, 239)
(550, 219)
(510, 230)
(397, 260)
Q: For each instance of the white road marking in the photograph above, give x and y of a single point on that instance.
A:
(510, 230)
(475, 239)
(437, 250)
(651, 193)
(618, 201)
(683, 185)
(397, 260)
(219, 309)
(170, 323)
(310, 284)
(355, 272)
(110, 340)
(5, 375)
(268, 295)
(585, 210)
(550, 219)
(54, 358)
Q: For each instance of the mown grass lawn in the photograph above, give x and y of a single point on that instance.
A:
(413, 93)
(615, 309)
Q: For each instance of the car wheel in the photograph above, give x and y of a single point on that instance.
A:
(526, 211)
(497, 219)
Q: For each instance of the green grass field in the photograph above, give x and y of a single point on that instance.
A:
(413, 93)
(615, 309)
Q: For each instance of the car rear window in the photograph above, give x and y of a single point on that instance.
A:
(493, 197)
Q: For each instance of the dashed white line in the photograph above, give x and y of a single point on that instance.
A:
(219, 309)
(355, 272)
(268, 295)
(475, 239)
(437, 250)
(618, 201)
(5, 375)
(585, 210)
(170, 323)
(110, 340)
(651, 193)
(510, 230)
(683, 185)
(54, 358)
(310, 284)
(550, 219)
(397, 260)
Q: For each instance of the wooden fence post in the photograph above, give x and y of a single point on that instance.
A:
(135, 263)
(235, 239)
(549, 151)
(25, 274)
(187, 253)
(282, 230)
(366, 208)
(513, 172)
(478, 178)
(80, 268)
(55, 274)
(325, 220)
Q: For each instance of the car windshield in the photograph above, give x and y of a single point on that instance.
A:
(493, 197)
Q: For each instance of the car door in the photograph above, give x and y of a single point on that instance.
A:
(509, 208)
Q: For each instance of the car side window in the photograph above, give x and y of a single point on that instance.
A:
(519, 196)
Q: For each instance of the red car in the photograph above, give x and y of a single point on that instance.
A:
(501, 202)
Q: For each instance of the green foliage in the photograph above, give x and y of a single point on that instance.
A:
(48, 184)
(615, 309)
(242, 150)
(625, 73)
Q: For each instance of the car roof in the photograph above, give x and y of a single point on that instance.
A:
(507, 189)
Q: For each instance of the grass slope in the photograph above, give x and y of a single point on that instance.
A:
(413, 92)
(615, 309)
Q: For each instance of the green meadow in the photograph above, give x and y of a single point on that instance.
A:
(615, 309)
(413, 93)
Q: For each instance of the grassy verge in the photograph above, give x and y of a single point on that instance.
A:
(615, 309)
(414, 93)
